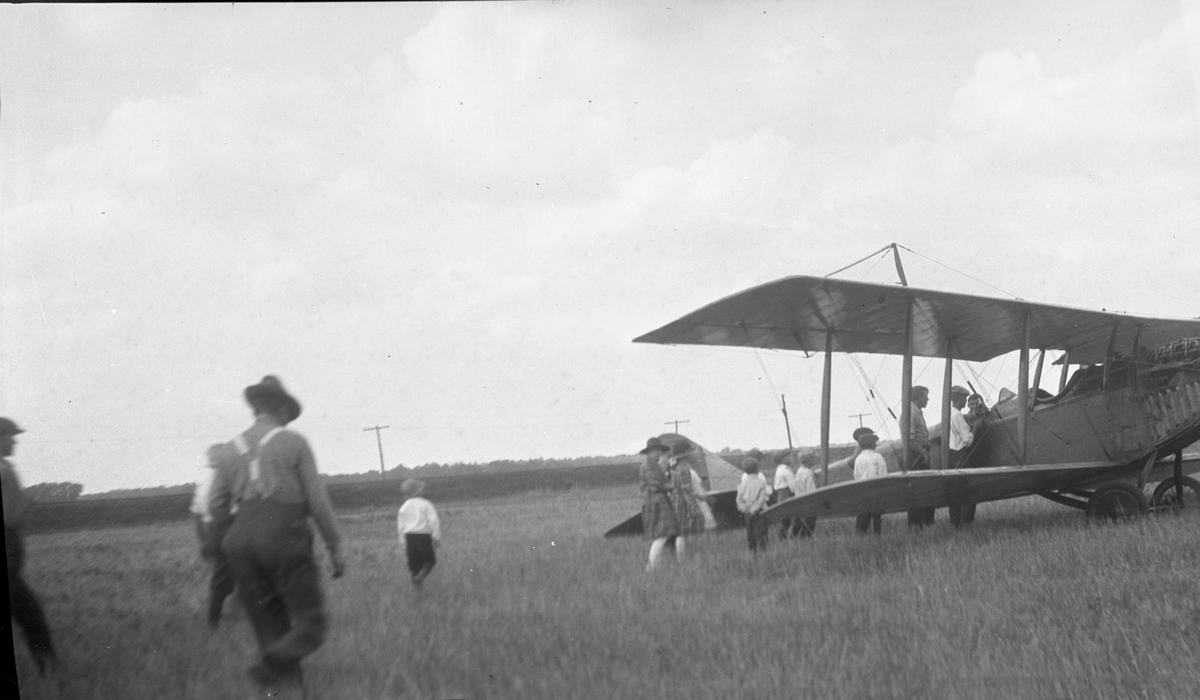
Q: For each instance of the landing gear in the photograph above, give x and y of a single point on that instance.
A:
(1167, 499)
(1117, 501)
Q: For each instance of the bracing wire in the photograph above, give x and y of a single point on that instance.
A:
(972, 277)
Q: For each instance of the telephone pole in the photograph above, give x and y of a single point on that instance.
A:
(859, 416)
(676, 423)
(379, 440)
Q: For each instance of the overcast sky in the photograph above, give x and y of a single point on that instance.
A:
(453, 218)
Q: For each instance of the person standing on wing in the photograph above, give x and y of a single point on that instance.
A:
(272, 482)
(22, 602)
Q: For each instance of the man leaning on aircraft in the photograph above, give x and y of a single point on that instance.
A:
(918, 445)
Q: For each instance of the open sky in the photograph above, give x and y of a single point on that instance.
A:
(453, 218)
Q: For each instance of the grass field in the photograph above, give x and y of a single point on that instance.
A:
(528, 601)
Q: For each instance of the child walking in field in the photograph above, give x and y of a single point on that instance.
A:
(419, 529)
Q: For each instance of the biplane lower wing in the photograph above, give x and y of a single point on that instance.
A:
(936, 489)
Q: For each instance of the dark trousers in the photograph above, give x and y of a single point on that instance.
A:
(920, 517)
(756, 531)
(803, 527)
(960, 513)
(787, 524)
(269, 548)
(418, 548)
(221, 583)
(22, 602)
(864, 522)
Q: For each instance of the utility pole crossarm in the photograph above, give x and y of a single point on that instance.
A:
(676, 424)
(379, 441)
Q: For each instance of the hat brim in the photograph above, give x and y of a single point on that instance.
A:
(290, 404)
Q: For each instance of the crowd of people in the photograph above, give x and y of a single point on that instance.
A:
(671, 495)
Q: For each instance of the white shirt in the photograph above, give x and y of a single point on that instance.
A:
(752, 493)
(784, 478)
(869, 465)
(805, 483)
(200, 497)
(960, 431)
(418, 517)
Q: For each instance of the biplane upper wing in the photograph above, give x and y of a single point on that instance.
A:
(797, 313)
(936, 489)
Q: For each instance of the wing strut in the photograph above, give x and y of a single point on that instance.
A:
(906, 388)
(1023, 394)
(826, 390)
(947, 381)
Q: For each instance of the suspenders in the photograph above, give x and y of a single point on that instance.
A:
(258, 484)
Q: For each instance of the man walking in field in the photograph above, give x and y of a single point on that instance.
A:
(272, 482)
(22, 602)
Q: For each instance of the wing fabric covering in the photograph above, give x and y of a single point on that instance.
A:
(936, 489)
(796, 313)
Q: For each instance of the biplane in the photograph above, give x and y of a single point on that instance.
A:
(1119, 422)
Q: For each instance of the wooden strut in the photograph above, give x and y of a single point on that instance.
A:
(906, 389)
(826, 390)
(947, 383)
(1023, 394)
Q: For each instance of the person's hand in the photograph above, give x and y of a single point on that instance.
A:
(339, 564)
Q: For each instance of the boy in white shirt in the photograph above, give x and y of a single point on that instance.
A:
(805, 483)
(869, 464)
(785, 488)
(419, 529)
(752, 496)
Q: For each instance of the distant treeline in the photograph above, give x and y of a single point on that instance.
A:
(374, 492)
(68, 492)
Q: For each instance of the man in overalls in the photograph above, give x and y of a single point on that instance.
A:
(270, 476)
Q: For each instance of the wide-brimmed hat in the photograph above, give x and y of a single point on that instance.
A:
(654, 444)
(681, 448)
(957, 390)
(271, 390)
(7, 427)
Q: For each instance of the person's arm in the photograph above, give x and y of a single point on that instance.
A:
(318, 505)
(13, 498)
(219, 505)
(435, 524)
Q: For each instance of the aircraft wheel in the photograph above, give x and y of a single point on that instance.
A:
(1165, 498)
(1119, 500)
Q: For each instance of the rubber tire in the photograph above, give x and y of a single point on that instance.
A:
(1117, 501)
(1164, 495)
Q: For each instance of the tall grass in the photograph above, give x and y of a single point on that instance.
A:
(528, 601)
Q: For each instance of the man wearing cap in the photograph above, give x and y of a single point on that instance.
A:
(961, 438)
(658, 515)
(270, 479)
(918, 447)
(22, 602)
